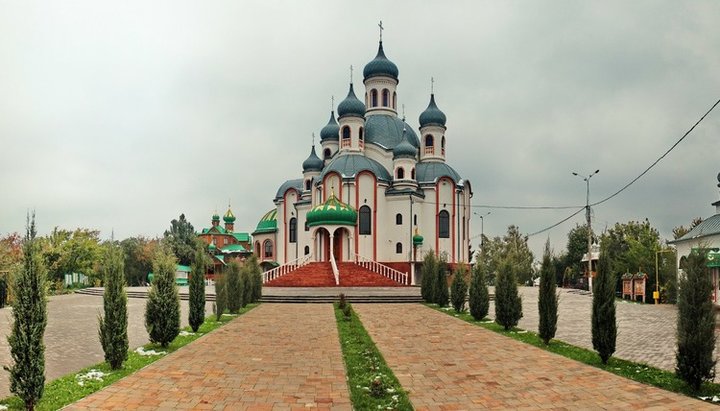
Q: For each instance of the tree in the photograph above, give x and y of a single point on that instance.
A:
(68, 252)
(459, 289)
(112, 329)
(577, 247)
(139, 253)
(441, 292)
(235, 288)
(547, 299)
(220, 295)
(27, 374)
(247, 284)
(256, 276)
(680, 231)
(162, 311)
(479, 300)
(429, 274)
(508, 304)
(181, 238)
(513, 248)
(197, 289)
(604, 327)
(696, 323)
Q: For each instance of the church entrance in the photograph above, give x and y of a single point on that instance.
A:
(338, 245)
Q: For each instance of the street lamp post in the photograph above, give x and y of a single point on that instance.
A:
(482, 228)
(589, 226)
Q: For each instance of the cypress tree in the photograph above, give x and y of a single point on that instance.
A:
(696, 323)
(220, 295)
(548, 299)
(429, 273)
(247, 284)
(162, 312)
(27, 374)
(256, 274)
(197, 289)
(508, 304)
(459, 289)
(479, 295)
(604, 327)
(441, 293)
(113, 327)
(234, 291)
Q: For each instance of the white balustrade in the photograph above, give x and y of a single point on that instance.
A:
(278, 272)
(381, 269)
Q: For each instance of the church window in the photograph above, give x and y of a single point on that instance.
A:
(412, 174)
(429, 144)
(398, 219)
(307, 249)
(346, 136)
(444, 229)
(308, 184)
(362, 137)
(394, 100)
(268, 248)
(386, 98)
(293, 230)
(373, 98)
(400, 173)
(415, 219)
(442, 145)
(365, 220)
(257, 248)
(398, 248)
(327, 154)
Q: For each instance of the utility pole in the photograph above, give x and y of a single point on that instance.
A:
(482, 229)
(589, 224)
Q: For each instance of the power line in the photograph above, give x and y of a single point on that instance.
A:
(660, 158)
(558, 223)
(527, 207)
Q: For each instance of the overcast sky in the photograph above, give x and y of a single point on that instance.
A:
(122, 115)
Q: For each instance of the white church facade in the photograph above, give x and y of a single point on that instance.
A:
(375, 190)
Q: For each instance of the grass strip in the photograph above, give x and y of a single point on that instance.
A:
(68, 389)
(372, 384)
(639, 372)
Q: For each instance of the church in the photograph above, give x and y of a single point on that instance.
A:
(375, 190)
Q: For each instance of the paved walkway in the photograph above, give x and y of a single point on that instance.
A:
(276, 357)
(448, 364)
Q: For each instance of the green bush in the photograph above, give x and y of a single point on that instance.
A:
(547, 299)
(162, 312)
(429, 274)
(247, 284)
(459, 289)
(604, 327)
(256, 276)
(696, 323)
(220, 295)
(196, 317)
(508, 304)
(235, 290)
(441, 293)
(112, 329)
(479, 301)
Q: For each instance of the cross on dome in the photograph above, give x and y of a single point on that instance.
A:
(381, 29)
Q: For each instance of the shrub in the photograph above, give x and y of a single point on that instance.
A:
(429, 274)
(479, 301)
(196, 317)
(341, 301)
(347, 311)
(3, 292)
(441, 293)
(696, 323)
(508, 304)
(459, 289)
(604, 327)
(235, 291)
(220, 295)
(27, 374)
(247, 284)
(547, 299)
(162, 312)
(112, 329)
(257, 278)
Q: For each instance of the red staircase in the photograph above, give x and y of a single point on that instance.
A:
(309, 275)
(353, 275)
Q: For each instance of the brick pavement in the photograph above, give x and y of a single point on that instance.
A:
(448, 364)
(276, 357)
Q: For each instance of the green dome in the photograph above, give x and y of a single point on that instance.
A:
(216, 217)
(331, 131)
(351, 106)
(404, 149)
(417, 240)
(313, 162)
(432, 114)
(211, 247)
(229, 217)
(268, 223)
(380, 66)
(332, 212)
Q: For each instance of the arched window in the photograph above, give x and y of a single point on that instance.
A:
(346, 136)
(327, 153)
(362, 137)
(394, 101)
(398, 219)
(444, 230)
(412, 174)
(308, 184)
(386, 98)
(415, 219)
(307, 249)
(257, 248)
(442, 145)
(268, 248)
(398, 248)
(365, 223)
(293, 230)
(400, 173)
(373, 98)
(429, 144)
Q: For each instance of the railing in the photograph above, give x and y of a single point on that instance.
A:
(381, 269)
(429, 150)
(336, 272)
(278, 272)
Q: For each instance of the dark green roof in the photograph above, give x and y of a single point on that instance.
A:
(332, 212)
(349, 165)
(313, 162)
(432, 115)
(404, 149)
(219, 229)
(430, 171)
(351, 106)
(296, 184)
(233, 248)
(331, 131)
(380, 66)
(386, 131)
(242, 237)
(268, 223)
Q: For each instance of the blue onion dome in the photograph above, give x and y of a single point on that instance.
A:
(229, 217)
(313, 162)
(432, 115)
(380, 66)
(404, 149)
(331, 131)
(351, 106)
